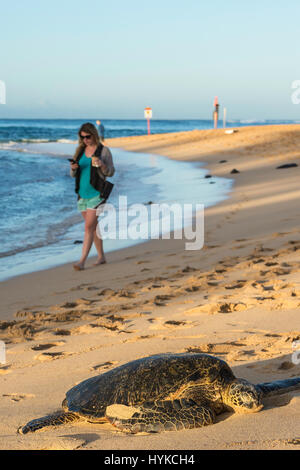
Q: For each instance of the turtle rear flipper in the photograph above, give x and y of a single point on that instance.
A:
(50, 420)
(163, 416)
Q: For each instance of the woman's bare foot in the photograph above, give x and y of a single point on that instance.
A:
(78, 267)
(100, 261)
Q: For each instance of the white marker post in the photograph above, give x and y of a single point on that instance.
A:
(148, 116)
(224, 117)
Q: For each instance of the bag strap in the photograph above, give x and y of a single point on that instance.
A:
(98, 151)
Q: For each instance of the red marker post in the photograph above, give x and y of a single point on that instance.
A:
(148, 116)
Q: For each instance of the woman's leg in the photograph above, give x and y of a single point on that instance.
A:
(91, 221)
(98, 242)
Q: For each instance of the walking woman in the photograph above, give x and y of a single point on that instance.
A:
(91, 162)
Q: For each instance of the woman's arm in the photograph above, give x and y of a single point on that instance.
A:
(108, 168)
(73, 169)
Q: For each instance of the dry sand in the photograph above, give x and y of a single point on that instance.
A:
(238, 298)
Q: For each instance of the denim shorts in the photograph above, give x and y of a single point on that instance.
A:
(91, 203)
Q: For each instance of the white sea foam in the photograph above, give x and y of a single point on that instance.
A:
(67, 141)
(35, 140)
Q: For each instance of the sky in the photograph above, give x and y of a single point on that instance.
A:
(75, 59)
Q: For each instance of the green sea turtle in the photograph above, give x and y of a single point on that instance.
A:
(160, 393)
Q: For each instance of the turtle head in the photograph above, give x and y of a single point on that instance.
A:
(242, 397)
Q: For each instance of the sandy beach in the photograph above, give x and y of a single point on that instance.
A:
(237, 298)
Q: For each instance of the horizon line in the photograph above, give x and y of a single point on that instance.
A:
(143, 119)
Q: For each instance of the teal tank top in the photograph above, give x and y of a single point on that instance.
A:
(86, 190)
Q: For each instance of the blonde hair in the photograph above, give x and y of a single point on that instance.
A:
(89, 128)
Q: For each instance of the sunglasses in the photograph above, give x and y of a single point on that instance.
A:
(88, 136)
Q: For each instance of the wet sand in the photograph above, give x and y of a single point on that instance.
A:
(237, 298)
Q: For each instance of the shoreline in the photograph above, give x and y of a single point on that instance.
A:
(152, 171)
(237, 298)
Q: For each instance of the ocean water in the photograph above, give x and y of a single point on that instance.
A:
(39, 220)
(65, 130)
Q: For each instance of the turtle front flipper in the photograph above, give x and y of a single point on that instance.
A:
(50, 420)
(161, 416)
(279, 387)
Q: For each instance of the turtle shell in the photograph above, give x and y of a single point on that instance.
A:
(147, 379)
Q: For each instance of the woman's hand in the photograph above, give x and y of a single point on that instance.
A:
(74, 166)
(97, 162)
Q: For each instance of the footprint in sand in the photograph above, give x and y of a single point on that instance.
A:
(60, 332)
(221, 349)
(72, 289)
(255, 346)
(83, 301)
(160, 300)
(126, 293)
(16, 331)
(48, 356)
(189, 269)
(192, 288)
(113, 325)
(239, 247)
(138, 338)
(43, 347)
(281, 271)
(212, 283)
(18, 396)
(107, 292)
(4, 370)
(79, 287)
(226, 307)
(74, 304)
(104, 366)
(174, 323)
(238, 285)
(279, 234)
(286, 365)
(159, 323)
